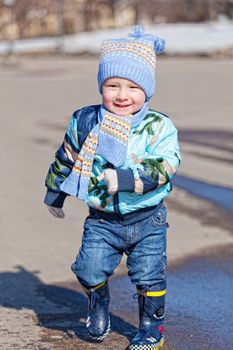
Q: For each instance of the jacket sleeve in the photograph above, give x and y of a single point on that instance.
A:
(159, 165)
(60, 169)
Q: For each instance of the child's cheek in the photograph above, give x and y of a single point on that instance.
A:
(108, 95)
(107, 98)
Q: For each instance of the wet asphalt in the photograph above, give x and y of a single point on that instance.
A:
(198, 309)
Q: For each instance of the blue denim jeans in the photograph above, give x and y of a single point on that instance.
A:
(104, 243)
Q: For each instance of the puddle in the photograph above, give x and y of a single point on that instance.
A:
(200, 300)
(198, 309)
(220, 195)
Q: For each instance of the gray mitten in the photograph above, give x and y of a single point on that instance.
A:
(56, 212)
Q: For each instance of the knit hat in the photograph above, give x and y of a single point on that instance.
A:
(132, 58)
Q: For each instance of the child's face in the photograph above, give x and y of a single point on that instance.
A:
(122, 97)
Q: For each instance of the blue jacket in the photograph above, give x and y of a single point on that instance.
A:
(144, 180)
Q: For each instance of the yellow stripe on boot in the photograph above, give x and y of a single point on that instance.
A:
(96, 287)
(155, 294)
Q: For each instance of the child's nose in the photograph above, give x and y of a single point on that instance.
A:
(122, 95)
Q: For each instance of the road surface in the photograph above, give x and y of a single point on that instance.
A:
(41, 304)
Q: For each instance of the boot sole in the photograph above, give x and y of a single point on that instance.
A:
(104, 335)
(147, 347)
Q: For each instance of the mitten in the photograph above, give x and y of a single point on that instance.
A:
(56, 212)
(111, 180)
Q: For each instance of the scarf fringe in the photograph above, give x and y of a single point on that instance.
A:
(71, 184)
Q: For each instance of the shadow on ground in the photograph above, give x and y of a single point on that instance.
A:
(216, 139)
(56, 307)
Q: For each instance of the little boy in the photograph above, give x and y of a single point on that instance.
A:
(119, 157)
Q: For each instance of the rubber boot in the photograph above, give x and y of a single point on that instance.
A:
(150, 335)
(98, 320)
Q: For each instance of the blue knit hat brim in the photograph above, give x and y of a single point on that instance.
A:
(127, 69)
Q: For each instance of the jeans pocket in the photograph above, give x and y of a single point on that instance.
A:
(159, 218)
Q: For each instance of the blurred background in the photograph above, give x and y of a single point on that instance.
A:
(48, 65)
(34, 18)
(25, 19)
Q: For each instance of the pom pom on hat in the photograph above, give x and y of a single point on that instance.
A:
(159, 45)
(132, 58)
(139, 32)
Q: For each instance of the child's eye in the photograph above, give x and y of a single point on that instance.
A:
(112, 85)
(133, 87)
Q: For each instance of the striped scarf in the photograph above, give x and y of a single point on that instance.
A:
(109, 139)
